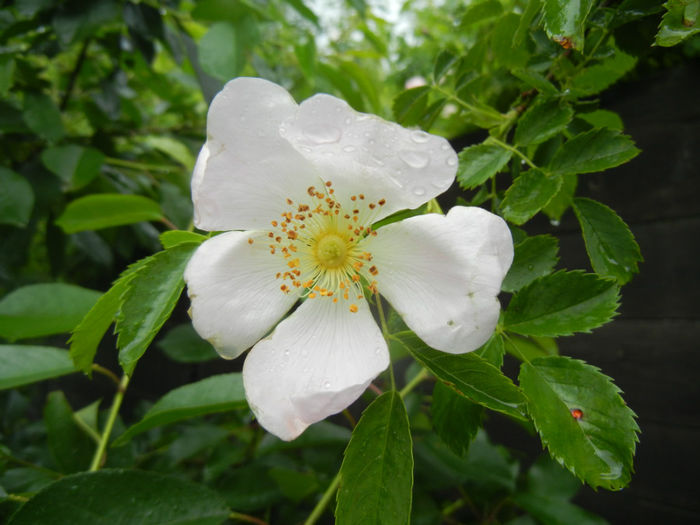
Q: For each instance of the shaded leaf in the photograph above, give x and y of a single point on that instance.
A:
(134, 496)
(528, 194)
(75, 165)
(678, 23)
(562, 303)
(541, 122)
(220, 53)
(479, 163)
(455, 419)
(595, 150)
(565, 21)
(148, 302)
(530, 347)
(22, 365)
(183, 344)
(561, 201)
(377, 468)
(534, 257)
(597, 443)
(609, 242)
(104, 210)
(469, 375)
(214, 394)
(599, 77)
(42, 116)
(70, 448)
(174, 237)
(444, 61)
(16, 198)
(410, 105)
(44, 309)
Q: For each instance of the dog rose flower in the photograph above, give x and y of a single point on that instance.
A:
(297, 188)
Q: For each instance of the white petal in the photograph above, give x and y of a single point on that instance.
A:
(442, 274)
(235, 296)
(316, 363)
(362, 153)
(246, 171)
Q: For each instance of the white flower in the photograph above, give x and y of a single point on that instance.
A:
(297, 188)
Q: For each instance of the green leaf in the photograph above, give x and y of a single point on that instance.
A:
(183, 344)
(147, 304)
(74, 165)
(214, 394)
(678, 23)
(534, 257)
(503, 49)
(469, 375)
(558, 204)
(90, 331)
(120, 497)
(16, 198)
(104, 210)
(535, 80)
(220, 52)
(554, 511)
(602, 118)
(528, 194)
(609, 242)
(595, 150)
(532, 9)
(562, 303)
(443, 63)
(173, 148)
(455, 419)
(42, 116)
(542, 121)
(599, 446)
(377, 468)
(480, 12)
(22, 365)
(70, 448)
(479, 163)
(599, 77)
(172, 238)
(529, 348)
(294, 485)
(410, 105)
(492, 351)
(44, 309)
(565, 21)
(7, 72)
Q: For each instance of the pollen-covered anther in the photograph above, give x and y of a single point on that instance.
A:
(353, 308)
(373, 270)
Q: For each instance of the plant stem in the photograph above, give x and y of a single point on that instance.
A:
(106, 372)
(510, 148)
(104, 438)
(413, 383)
(385, 333)
(140, 166)
(323, 502)
(246, 517)
(28, 464)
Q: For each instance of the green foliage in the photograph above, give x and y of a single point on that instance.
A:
(44, 309)
(148, 302)
(95, 212)
(562, 303)
(214, 394)
(24, 364)
(102, 115)
(609, 242)
(134, 496)
(16, 198)
(377, 468)
(469, 376)
(597, 444)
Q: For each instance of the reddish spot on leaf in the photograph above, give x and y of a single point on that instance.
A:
(577, 413)
(564, 41)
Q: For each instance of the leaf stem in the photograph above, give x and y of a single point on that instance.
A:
(385, 333)
(140, 166)
(246, 517)
(323, 502)
(525, 158)
(113, 411)
(28, 464)
(106, 372)
(413, 383)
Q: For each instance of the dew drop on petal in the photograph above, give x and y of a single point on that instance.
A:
(419, 191)
(349, 149)
(419, 137)
(323, 134)
(451, 161)
(286, 352)
(414, 159)
(445, 147)
(327, 385)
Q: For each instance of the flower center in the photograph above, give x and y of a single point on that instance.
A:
(331, 250)
(321, 244)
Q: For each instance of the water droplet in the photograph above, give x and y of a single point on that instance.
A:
(451, 161)
(349, 149)
(414, 159)
(419, 137)
(348, 120)
(304, 352)
(379, 162)
(377, 349)
(327, 384)
(286, 352)
(530, 267)
(419, 191)
(445, 147)
(323, 134)
(554, 222)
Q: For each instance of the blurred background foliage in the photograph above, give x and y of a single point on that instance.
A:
(110, 97)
